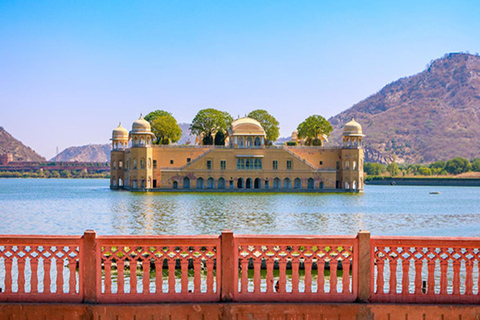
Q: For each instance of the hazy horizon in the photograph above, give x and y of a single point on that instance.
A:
(71, 71)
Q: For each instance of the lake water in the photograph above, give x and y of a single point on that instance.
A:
(51, 206)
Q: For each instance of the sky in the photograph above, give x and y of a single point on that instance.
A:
(70, 71)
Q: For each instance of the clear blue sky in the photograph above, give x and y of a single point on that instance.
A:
(71, 70)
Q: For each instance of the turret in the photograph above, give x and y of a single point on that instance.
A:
(352, 157)
(117, 157)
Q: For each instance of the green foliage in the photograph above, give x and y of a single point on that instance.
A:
(164, 126)
(424, 171)
(475, 165)
(291, 143)
(392, 168)
(210, 121)
(437, 165)
(374, 169)
(313, 127)
(269, 124)
(458, 165)
(156, 114)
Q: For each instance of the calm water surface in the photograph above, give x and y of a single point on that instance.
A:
(31, 206)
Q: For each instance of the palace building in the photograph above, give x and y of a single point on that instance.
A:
(245, 163)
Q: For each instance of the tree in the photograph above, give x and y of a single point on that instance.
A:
(476, 165)
(437, 165)
(458, 165)
(374, 169)
(164, 126)
(313, 127)
(392, 167)
(209, 122)
(269, 124)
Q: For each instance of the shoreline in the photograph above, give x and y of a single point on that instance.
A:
(437, 181)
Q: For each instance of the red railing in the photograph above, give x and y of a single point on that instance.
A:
(41, 268)
(121, 269)
(307, 268)
(158, 268)
(421, 269)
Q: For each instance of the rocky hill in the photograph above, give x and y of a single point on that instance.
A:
(433, 115)
(88, 153)
(20, 152)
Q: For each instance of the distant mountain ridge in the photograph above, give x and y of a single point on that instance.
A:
(433, 115)
(88, 153)
(20, 152)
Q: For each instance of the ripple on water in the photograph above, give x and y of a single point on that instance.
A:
(50, 206)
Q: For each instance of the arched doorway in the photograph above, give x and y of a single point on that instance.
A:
(200, 183)
(287, 183)
(221, 183)
(240, 183)
(186, 183)
(322, 185)
(311, 183)
(175, 184)
(276, 183)
(210, 183)
(258, 183)
(248, 183)
(297, 183)
(354, 185)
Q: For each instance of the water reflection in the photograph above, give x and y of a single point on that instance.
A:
(72, 206)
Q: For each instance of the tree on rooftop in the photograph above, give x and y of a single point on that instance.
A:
(209, 122)
(269, 124)
(312, 128)
(164, 126)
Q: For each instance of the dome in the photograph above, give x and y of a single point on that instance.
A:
(247, 127)
(120, 133)
(353, 128)
(141, 126)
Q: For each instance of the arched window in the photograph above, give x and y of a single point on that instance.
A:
(114, 182)
(175, 184)
(120, 182)
(114, 165)
(354, 185)
(210, 183)
(258, 163)
(128, 164)
(347, 185)
(134, 163)
(200, 183)
(311, 183)
(354, 165)
(347, 165)
(240, 164)
(186, 183)
(142, 163)
(297, 183)
(258, 183)
(249, 142)
(221, 183)
(149, 163)
(258, 143)
(287, 183)
(120, 164)
(276, 183)
(142, 141)
(240, 142)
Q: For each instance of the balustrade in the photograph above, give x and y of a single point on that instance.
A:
(119, 269)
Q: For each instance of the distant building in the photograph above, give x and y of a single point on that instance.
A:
(244, 163)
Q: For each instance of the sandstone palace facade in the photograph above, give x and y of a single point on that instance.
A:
(245, 163)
